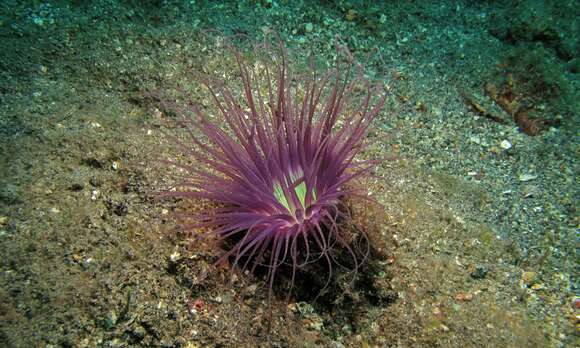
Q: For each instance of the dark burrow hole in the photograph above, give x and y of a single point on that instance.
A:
(349, 289)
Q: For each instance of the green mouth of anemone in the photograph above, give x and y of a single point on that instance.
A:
(300, 190)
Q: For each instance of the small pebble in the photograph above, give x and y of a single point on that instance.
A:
(463, 297)
(506, 145)
(87, 262)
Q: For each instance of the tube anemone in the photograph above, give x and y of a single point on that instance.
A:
(281, 161)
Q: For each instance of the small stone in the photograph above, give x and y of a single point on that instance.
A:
(87, 262)
(506, 145)
(308, 27)
(138, 333)
(463, 297)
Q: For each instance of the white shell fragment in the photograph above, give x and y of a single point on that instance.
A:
(506, 145)
(527, 177)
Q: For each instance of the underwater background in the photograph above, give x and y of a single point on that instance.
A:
(475, 240)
